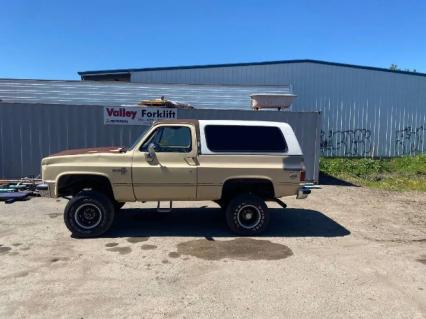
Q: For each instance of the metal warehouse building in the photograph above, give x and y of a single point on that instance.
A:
(340, 109)
(367, 111)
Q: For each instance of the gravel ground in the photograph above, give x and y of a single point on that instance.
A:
(345, 252)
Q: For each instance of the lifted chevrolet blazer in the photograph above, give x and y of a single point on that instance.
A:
(237, 164)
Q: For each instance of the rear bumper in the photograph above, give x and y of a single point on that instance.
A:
(303, 192)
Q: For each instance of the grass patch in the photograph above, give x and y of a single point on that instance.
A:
(398, 174)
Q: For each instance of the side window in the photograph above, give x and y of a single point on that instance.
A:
(170, 139)
(245, 139)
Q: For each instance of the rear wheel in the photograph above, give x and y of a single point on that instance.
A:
(247, 214)
(222, 203)
(89, 214)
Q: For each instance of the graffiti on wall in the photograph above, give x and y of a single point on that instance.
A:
(356, 142)
(409, 140)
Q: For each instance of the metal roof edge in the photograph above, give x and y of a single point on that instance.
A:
(88, 83)
(206, 66)
(37, 79)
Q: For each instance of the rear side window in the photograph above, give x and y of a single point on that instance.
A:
(245, 139)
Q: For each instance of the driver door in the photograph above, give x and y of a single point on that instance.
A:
(172, 172)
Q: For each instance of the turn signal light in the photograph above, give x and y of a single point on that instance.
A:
(302, 176)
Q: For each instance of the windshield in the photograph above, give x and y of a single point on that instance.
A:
(137, 140)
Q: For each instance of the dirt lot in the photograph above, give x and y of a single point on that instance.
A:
(343, 252)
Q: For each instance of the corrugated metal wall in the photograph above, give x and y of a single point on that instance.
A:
(116, 93)
(365, 112)
(29, 132)
(378, 130)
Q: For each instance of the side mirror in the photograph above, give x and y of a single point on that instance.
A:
(151, 152)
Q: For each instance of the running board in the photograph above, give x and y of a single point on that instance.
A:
(164, 210)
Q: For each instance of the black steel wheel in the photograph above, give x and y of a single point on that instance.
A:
(89, 214)
(247, 214)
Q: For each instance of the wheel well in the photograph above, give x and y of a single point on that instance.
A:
(261, 187)
(72, 184)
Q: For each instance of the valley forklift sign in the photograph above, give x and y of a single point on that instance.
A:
(125, 115)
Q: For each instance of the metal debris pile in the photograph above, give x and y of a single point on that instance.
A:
(162, 102)
(18, 190)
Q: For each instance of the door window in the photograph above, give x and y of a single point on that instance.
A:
(170, 139)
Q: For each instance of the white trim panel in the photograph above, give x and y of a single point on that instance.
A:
(293, 147)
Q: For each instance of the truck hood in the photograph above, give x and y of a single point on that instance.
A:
(93, 150)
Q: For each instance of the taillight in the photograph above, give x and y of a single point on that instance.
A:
(302, 176)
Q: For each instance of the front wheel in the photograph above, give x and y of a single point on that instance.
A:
(247, 214)
(118, 205)
(89, 214)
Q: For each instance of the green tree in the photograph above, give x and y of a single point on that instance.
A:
(394, 67)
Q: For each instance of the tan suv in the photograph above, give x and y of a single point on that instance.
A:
(237, 164)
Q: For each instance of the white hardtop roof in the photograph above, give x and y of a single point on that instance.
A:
(243, 123)
(292, 143)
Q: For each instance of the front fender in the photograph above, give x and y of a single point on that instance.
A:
(58, 177)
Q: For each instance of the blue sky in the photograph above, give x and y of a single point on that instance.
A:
(55, 39)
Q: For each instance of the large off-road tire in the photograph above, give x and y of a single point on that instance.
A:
(222, 204)
(247, 215)
(89, 214)
(118, 205)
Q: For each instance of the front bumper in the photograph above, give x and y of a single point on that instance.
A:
(46, 189)
(303, 192)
